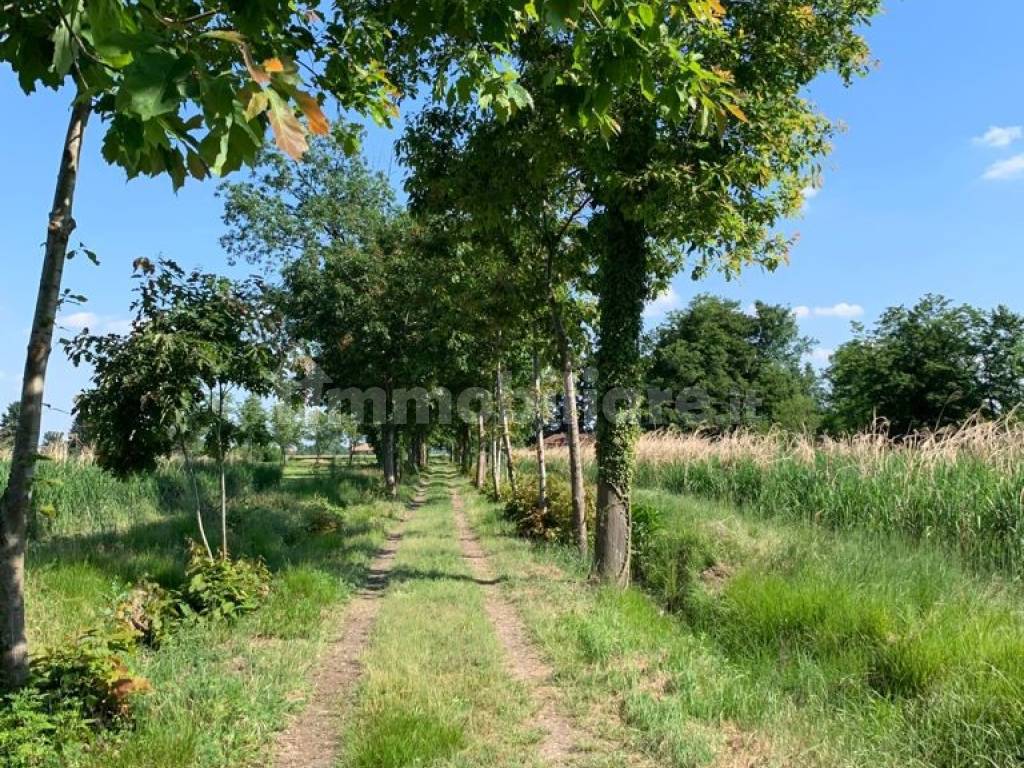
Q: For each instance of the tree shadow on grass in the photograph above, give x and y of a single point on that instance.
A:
(273, 525)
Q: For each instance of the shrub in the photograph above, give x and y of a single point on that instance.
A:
(35, 732)
(148, 612)
(221, 587)
(73, 693)
(555, 523)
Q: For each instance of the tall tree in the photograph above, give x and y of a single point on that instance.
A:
(724, 368)
(928, 366)
(9, 425)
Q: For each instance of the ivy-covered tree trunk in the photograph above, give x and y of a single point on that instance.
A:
(579, 494)
(506, 437)
(17, 497)
(622, 290)
(481, 452)
(538, 417)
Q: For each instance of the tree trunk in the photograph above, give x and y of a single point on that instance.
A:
(465, 441)
(223, 478)
(495, 462)
(506, 438)
(572, 423)
(538, 416)
(17, 497)
(481, 452)
(195, 490)
(387, 434)
(622, 290)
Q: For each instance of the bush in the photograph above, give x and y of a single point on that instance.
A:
(221, 587)
(148, 613)
(555, 523)
(73, 693)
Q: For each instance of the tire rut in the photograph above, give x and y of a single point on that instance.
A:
(562, 740)
(311, 740)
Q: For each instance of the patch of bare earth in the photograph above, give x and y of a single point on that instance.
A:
(311, 739)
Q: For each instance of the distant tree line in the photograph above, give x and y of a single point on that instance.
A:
(933, 365)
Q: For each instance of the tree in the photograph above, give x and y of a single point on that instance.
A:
(190, 87)
(9, 425)
(724, 368)
(286, 425)
(252, 429)
(194, 336)
(181, 92)
(929, 366)
(326, 429)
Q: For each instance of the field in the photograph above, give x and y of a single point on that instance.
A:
(846, 603)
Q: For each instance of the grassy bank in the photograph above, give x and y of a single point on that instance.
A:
(962, 491)
(219, 689)
(786, 643)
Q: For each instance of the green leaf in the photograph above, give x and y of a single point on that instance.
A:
(646, 14)
(150, 85)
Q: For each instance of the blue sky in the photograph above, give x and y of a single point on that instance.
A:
(919, 196)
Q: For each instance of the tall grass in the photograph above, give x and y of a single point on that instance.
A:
(962, 489)
(72, 498)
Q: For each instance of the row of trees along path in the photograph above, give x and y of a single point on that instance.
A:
(565, 148)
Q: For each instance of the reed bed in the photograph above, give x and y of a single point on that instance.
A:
(962, 489)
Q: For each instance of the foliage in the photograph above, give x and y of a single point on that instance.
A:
(189, 89)
(9, 425)
(192, 334)
(927, 367)
(252, 430)
(148, 613)
(555, 521)
(223, 588)
(74, 692)
(286, 426)
(736, 369)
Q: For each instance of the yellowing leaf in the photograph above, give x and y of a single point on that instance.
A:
(318, 123)
(288, 132)
(717, 9)
(273, 65)
(257, 104)
(738, 113)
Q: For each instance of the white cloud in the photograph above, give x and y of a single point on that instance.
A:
(822, 355)
(118, 326)
(78, 321)
(666, 301)
(811, 192)
(842, 309)
(998, 138)
(1004, 170)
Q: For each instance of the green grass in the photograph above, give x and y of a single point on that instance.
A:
(819, 648)
(219, 690)
(965, 505)
(434, 691)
